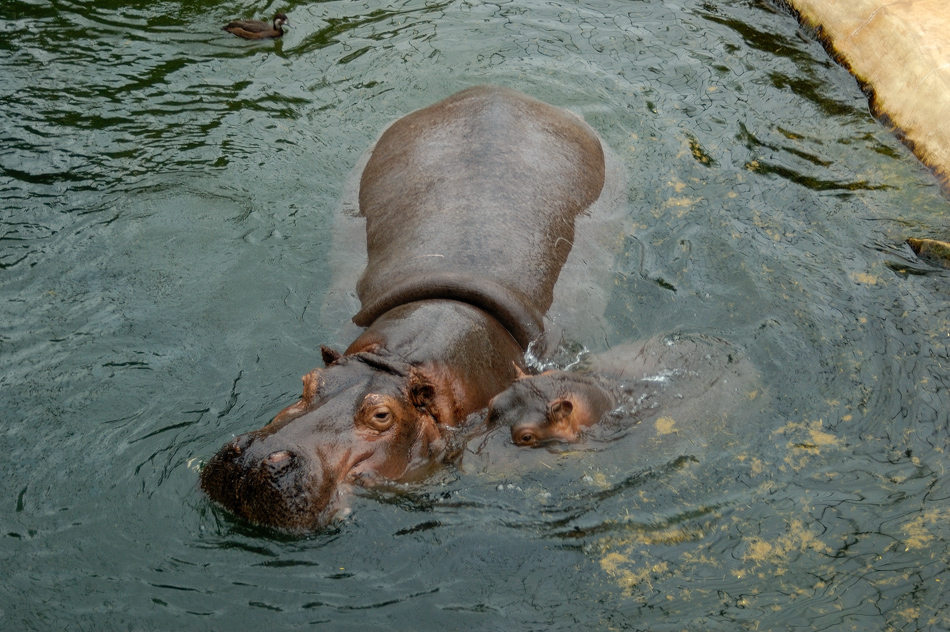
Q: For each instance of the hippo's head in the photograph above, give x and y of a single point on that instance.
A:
(554, 406)
(365, 416)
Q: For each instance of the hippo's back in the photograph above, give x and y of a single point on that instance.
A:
(474, 199)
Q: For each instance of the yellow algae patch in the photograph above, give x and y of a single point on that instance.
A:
(800, 461)
(910, 614)
(758, 466)
(808, 436)
(680, 205)
(759, 550)
(670, 535)
(917, 534)
(665, 426)
(797, 539)
(918, 537)
(806, 440)
(634, 535)
(701, 558)
(864, 277)
(597, 479)
(616, 565)
(820, 438)
(677, 185)
(682, 201)
(627, 560)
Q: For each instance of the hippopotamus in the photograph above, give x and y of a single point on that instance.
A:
(554, 406)
(633, 383)
(469, 207)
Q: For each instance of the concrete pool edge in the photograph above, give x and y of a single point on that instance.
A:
(900, 52)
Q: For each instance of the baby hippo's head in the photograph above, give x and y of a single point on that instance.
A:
(554, 406)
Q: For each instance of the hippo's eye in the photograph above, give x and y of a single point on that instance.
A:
(525, 437)
(380, 419)
(376, 413)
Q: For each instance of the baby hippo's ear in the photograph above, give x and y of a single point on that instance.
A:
(560, 410)
(329, 355)
(519, 373)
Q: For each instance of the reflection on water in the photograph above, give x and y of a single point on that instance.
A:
(168, 195)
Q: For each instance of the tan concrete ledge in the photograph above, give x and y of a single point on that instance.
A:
(900, 51)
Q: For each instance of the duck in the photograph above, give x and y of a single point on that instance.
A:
(255, 29)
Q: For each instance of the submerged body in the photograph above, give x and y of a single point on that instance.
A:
(459, 198)
(687, 376)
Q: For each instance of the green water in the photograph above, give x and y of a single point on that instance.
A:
(167, 200)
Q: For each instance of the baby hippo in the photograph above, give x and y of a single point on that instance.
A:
(687, 376)
(553, 406)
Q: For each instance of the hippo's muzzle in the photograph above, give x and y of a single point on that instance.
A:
(279, 487)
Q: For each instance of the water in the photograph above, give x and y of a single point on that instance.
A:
(168, 195)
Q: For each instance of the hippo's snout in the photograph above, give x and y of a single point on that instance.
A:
(270, 485)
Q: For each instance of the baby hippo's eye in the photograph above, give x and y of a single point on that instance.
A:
(380, 419)
(525, 436)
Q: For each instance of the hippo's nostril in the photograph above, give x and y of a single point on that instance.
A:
(278, 461)
(277, 457)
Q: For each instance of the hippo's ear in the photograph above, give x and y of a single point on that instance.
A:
(561, 409)
(329, 355)
(519, 373)
(421, 391)
(311, 384)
